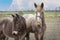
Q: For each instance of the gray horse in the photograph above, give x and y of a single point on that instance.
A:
(19, 28)
(8, 25)
(36, 23)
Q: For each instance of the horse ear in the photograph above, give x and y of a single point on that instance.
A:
(35, 5)
(12, 15)
(17, 15)
(42, 5)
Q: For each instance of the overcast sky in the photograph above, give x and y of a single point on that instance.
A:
(14, 5)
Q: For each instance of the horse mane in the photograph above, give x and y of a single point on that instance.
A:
(23, 21)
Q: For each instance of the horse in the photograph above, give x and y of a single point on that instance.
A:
(36, 23)
(2, 35)
(8, 25)
(19, 27)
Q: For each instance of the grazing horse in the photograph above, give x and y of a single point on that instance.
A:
(9, 26)
(36, 23)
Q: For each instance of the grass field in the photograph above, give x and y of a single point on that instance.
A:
(52, 21)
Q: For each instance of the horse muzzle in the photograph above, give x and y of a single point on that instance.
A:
(15, 33)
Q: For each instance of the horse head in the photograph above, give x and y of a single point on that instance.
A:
(18, 24)
(39, 11)
(39, 8)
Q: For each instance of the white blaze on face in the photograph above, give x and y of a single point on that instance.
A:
(38, 16)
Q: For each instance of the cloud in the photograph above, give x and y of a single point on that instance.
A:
(16, 5)
(22, 5)
(52, 4)
(29, 4)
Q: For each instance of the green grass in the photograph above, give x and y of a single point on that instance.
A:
(47, 14)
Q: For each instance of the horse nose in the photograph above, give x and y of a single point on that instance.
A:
(14, 32)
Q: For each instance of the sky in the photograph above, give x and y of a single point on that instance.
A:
(4, 4)
(18, 5)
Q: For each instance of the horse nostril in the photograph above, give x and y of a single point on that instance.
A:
(13, 33)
